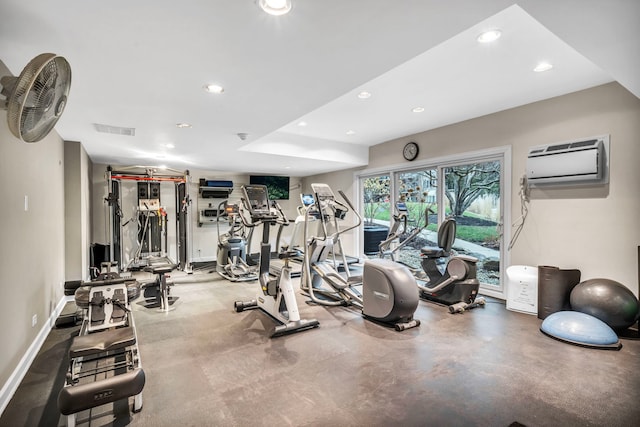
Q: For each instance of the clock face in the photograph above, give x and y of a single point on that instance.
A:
(410, 151)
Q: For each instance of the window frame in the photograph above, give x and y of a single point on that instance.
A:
(502, 154)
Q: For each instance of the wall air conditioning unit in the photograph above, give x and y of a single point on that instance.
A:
(582, 161)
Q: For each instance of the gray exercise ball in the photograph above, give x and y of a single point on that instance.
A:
(607, 300)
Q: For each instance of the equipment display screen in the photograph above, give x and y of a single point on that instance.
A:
(307, 199)
(258, 199)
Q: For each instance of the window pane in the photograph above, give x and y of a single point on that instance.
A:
(473, 199)
(418, 191)
(376, 193)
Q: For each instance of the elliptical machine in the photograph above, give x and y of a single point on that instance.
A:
(276, 297)
(458, 283)
(386, 292)
(231, 259)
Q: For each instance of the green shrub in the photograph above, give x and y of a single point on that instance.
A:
(476, 233)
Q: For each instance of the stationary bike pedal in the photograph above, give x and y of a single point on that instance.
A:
(272, 288)
(242, 305)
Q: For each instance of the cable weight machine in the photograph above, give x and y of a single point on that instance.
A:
(151, 215)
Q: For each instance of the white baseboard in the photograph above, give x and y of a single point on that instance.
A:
(493, 294)
(203, 259)
(10, 387)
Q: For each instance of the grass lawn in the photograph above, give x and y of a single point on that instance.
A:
(476, 233)
(471, 233)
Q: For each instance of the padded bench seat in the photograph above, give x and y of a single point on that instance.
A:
(82, 293)
(433, 252)
(160, 269)
(103, 341)
(86, 396)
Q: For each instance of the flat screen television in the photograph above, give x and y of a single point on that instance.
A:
(278, 186)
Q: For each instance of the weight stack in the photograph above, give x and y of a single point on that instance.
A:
(554, 289)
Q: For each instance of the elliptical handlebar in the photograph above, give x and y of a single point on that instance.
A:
(336, 206)
(354, 210)
(280, 218)
(223, 203)
(243, 218)
(395, 233)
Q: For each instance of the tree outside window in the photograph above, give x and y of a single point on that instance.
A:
(376, 198)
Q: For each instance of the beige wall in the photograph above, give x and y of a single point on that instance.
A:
(77, 166)
(594, 229)
(32, 249)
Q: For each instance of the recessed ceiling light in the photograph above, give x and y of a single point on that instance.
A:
(489, 36)
(170, 145)
(364, 94)
(183, 125)
(275, 7)
(543, 66)
(417, 109)
(214, 88)
(302, 124)
(351, 132)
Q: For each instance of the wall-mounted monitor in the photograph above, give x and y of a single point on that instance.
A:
(278, 186)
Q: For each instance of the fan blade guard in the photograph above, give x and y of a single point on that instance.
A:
(36, 99)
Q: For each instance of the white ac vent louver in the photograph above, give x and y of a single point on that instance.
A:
(114, 130)
(582, 161)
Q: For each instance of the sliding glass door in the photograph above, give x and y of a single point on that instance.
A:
(473, 199)
(469, 189)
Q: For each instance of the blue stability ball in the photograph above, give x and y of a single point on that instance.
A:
(580, 329)
(608, 300)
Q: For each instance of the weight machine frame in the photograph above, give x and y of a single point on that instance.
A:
(182, 200)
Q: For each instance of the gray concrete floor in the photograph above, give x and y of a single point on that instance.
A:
(209, 366)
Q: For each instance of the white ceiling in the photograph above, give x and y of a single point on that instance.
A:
(143, 64)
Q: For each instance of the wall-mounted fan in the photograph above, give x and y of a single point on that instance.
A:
(35, 99)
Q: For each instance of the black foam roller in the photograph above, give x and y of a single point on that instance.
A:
(554, 289)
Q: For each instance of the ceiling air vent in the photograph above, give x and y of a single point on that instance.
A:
(115, 130)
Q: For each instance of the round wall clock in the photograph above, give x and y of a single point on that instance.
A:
(410, 151)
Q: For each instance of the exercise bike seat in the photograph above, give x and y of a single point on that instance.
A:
(433, 252)
(446, 237)
(100, 342)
